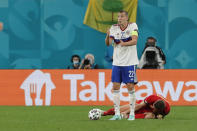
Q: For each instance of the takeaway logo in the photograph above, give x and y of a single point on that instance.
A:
(34, 85)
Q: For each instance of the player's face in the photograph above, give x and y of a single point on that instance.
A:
(153, 108)
(122, 18)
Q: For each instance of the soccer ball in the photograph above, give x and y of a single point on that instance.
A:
(94, 114)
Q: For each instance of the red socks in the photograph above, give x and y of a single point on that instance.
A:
(109, 112)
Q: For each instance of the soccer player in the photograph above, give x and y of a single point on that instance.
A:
(125, 59)
(153, 107)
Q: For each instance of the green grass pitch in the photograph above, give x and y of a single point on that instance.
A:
(75, 118)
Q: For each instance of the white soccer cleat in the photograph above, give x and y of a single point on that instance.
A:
(116, 117)
(131, 118)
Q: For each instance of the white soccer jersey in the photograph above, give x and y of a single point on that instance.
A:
(124, 55)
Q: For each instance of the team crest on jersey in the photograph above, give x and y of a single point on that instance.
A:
(127, 32)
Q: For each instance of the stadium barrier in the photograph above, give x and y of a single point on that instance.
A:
(92, 87)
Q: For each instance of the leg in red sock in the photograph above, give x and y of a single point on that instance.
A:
(109, 112)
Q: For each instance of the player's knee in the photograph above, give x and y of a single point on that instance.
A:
(116, 86)
(130, 86)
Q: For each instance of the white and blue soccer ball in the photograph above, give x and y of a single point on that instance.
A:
(94, 114)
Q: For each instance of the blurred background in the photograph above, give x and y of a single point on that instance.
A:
(44, 34)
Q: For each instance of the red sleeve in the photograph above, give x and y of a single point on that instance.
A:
(150, 99)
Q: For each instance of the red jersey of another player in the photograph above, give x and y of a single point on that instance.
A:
(150, 100)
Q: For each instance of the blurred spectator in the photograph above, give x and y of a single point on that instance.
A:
(152, 56)
(88, 62)
(75, 60)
